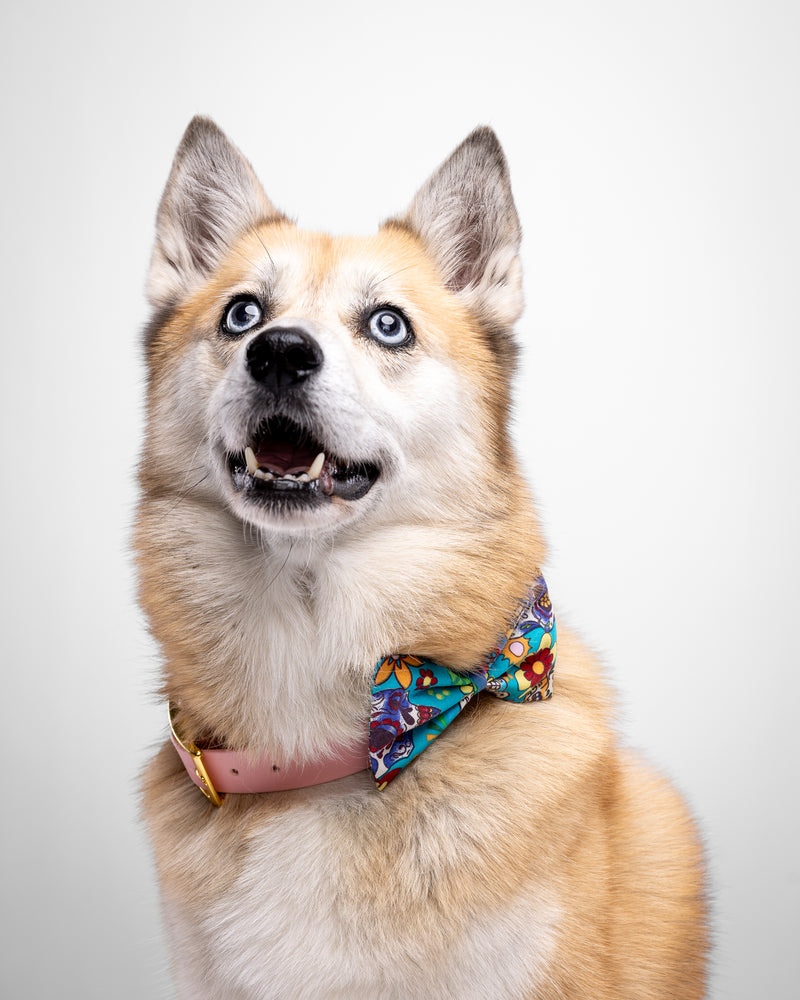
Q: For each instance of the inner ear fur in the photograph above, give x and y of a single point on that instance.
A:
(212, 196)
(465, 215)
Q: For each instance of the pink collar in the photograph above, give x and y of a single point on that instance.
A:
(216, 772)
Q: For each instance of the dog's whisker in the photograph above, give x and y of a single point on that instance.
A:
(186, 490)
(269, 256)
(392, 274)
(185, 493)
(283, 564)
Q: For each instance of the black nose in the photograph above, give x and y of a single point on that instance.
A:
(283, 356)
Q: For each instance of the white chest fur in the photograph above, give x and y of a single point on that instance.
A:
(312, 912)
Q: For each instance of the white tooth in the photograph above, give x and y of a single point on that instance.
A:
(263, 474)
(316, 466)
(288, 475)
(303, 477)
(250, 458)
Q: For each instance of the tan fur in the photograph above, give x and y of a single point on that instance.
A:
(524, 854)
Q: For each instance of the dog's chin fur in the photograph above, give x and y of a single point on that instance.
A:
(523, 854)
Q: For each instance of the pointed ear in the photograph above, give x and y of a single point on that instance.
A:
(465, 215)
(211, 197)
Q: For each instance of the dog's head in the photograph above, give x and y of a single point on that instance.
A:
(308, 382)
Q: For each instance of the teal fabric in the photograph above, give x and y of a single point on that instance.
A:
(414, 700)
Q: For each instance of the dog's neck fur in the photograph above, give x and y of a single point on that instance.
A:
(276, 640)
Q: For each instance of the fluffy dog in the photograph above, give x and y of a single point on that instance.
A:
(333, 532)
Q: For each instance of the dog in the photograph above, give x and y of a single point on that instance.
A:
(334, 532)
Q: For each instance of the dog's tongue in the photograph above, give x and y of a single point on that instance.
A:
(284, 456)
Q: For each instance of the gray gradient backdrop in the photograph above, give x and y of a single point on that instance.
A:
(654, 153)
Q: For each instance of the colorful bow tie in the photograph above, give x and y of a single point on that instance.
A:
(414, 700)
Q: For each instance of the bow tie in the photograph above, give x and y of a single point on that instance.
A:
(414, 700)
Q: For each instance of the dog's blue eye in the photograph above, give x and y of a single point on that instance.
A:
(241, 316)
(388, 327)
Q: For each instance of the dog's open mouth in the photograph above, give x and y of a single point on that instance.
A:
(285, 464)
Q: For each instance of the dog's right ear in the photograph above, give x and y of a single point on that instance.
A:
(212, 196)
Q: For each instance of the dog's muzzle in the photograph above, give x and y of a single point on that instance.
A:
(285, 464)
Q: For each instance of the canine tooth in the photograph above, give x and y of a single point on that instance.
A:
(316, 466)
(303, 477)
(262, 474)
(250, 458)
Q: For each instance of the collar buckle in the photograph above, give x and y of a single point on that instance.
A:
(206, 785)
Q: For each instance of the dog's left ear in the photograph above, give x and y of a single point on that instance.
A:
(465, 215)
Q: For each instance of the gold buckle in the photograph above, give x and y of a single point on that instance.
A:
(207, 785)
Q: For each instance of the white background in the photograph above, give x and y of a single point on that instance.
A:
(654, 155)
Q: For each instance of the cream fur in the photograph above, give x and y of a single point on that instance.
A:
(282, 913)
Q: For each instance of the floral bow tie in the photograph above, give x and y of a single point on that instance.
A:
(414, 700)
